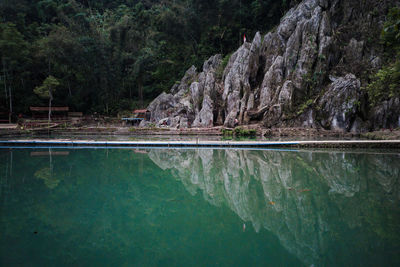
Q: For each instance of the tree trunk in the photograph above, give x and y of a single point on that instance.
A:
(50, 99)
(140, 87)
(5, 80)
(50, 162)
(69, 89)
(11, 109)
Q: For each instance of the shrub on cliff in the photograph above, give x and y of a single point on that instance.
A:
(385, 83)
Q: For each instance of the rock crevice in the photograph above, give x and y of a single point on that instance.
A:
(283, 78)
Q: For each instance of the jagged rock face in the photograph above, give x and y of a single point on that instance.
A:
(340, 104)
(272, 78)
(266, 189)
(162, 106)
(387, 114)
(191, 102)
(181, 88)
(241, 69)
(175, 109)
(207, 93)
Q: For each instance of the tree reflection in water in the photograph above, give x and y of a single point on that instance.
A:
(115, 207)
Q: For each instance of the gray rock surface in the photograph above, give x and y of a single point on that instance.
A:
(191, 102)
(162, 106)
(181, 88)
(387, 114)
(208, 87)
(241, 68)
(341, 103)
(283, 80)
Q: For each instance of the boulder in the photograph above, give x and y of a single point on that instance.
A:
(164, 122)
(183, 123)
(273, 116)
(387, 114)
(340, 104)
(145, 124)
(161, 107)
(286, 95)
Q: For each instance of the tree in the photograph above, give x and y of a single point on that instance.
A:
(12, 52)
(101, 51)
(47, 89)
(385, 83)
(141, 65)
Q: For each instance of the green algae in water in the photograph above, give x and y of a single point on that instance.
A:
(198, 207)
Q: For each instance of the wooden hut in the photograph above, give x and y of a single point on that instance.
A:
(138, 115)
(56, 112)
(142, 114)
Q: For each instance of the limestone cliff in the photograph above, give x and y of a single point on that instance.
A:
(308, 72)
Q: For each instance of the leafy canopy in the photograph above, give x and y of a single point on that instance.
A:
(48, 87)
(385, 83)
(111, 56)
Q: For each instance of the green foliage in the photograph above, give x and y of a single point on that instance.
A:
(391, 29)
(13, 56)
(322, 57)
(108, 52)
(13, 47)
(385, 83)
(357, 104)
(312, 80)
(48, 87)
(227, 132)
(304, 106)
(240, 131)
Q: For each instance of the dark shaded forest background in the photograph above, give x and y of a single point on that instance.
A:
(110, 56)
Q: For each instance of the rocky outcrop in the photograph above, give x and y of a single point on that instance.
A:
(174, 109)
(341, 103)
(180, 89)
(387, 114)
(191, 101)
(162, 106)
(206, 91)
(240, 71)
(307, 73)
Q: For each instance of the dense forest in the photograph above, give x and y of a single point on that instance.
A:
(111, 56)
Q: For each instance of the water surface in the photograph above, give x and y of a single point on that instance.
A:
(199, 207)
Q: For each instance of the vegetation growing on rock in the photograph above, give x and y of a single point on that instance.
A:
(310, 71)
(239, 132)
(113, 56)
(385, 84)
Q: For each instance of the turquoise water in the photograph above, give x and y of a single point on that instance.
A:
(199, 207)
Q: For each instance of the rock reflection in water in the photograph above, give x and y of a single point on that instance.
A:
(325, 207)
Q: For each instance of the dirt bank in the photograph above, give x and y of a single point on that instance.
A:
(341, 144)
(117, 129)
